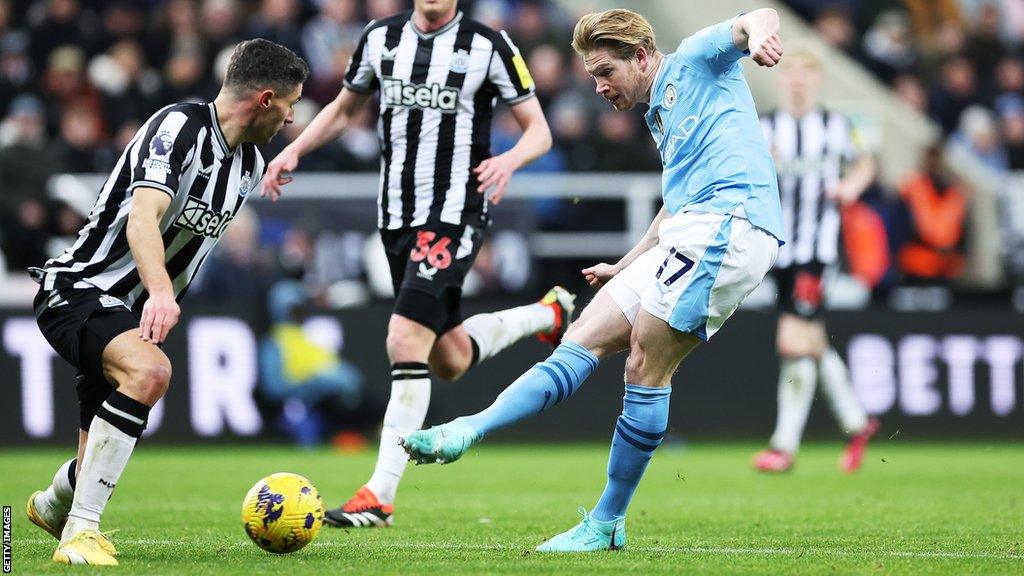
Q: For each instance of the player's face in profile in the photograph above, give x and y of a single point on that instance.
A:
(280, 112)
(431, 8)
(801, 77)
(618, 81)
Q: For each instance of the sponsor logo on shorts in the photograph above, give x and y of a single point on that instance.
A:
(426, 272)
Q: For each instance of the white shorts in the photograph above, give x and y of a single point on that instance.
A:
(701, 270)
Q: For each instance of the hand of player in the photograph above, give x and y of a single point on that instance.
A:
(159, 315)
(598, 274)
(278, 174)
(766, 50)
(495, 171)
(840, 194)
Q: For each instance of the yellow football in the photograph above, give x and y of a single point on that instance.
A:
(283, 512)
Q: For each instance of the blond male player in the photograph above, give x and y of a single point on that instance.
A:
(711, 245)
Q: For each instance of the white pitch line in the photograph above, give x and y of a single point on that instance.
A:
(737, 551)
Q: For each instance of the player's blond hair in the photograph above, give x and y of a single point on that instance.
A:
(801, 49)
(621, 31)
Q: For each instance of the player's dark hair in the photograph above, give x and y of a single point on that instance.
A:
(257, 64)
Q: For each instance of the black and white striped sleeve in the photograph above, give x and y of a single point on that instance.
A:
(167, 145)
(361, 76)
(508, 71)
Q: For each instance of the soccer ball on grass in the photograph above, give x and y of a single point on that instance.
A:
(282, 512)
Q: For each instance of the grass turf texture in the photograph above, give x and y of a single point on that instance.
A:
(914, 509)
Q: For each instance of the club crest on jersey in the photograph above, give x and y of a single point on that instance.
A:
(198, 218)
(399, 94)
(460, 62)
(245, 185)
(671, 96)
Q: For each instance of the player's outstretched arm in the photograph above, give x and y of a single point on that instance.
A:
(758, 31)
(330, 123)
(160, 313)
(598, 274)
(534, 143)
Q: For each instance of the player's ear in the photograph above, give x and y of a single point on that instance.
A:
(264, 99)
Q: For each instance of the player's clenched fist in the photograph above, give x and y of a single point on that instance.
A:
(766, 51)
(598, 274)
(278, 174)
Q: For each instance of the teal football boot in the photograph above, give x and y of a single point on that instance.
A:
(443, 444)
(590, 535)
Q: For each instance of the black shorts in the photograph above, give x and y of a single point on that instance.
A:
(79, 324)
(801, 289)
(428, 266)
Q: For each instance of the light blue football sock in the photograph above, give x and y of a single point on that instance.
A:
(638, 431)
(541, 387)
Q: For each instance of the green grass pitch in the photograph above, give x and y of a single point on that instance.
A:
(915, 508)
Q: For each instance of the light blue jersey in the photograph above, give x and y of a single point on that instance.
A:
(703, 120)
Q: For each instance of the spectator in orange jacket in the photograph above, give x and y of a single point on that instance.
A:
(937, 207)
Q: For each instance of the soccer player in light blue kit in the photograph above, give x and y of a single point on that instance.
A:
(713, 242)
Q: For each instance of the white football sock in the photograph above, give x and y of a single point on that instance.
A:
(495, 331)
(55, 502)
(797, 380)
(407, 408)
(113, 433)
(835, 383)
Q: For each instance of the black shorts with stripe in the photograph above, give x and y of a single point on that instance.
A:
(79, 323)
(801, 289)
(428, 266)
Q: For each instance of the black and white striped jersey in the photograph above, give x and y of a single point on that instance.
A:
(437, 96)
(810, 155)
(181, 151)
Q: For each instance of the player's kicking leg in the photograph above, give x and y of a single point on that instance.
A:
(713, 264)
(452, 354)
(427, 335)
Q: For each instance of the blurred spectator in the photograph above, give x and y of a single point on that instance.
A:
(336, 28)
(957, 90)
(1011, 112)
(221, 25)
(237, 256)
(506, 133)
(910, 90)
(979, 134)
(547, 66)
(64, 84)
(63, 22)
(835, 26)
(276, 21)
(122, 20)
(984, 47)
(27, 161)
(130, 88)
(889, 46)
(315, 392)
(620, 148)
(936, 209)
(17, 73)
(81, 141)
(186, 77)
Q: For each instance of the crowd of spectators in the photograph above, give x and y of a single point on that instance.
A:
(78, 77)
(960, 63)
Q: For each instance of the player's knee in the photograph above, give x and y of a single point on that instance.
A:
(150, 380)
(447, 369)
(636, 361)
